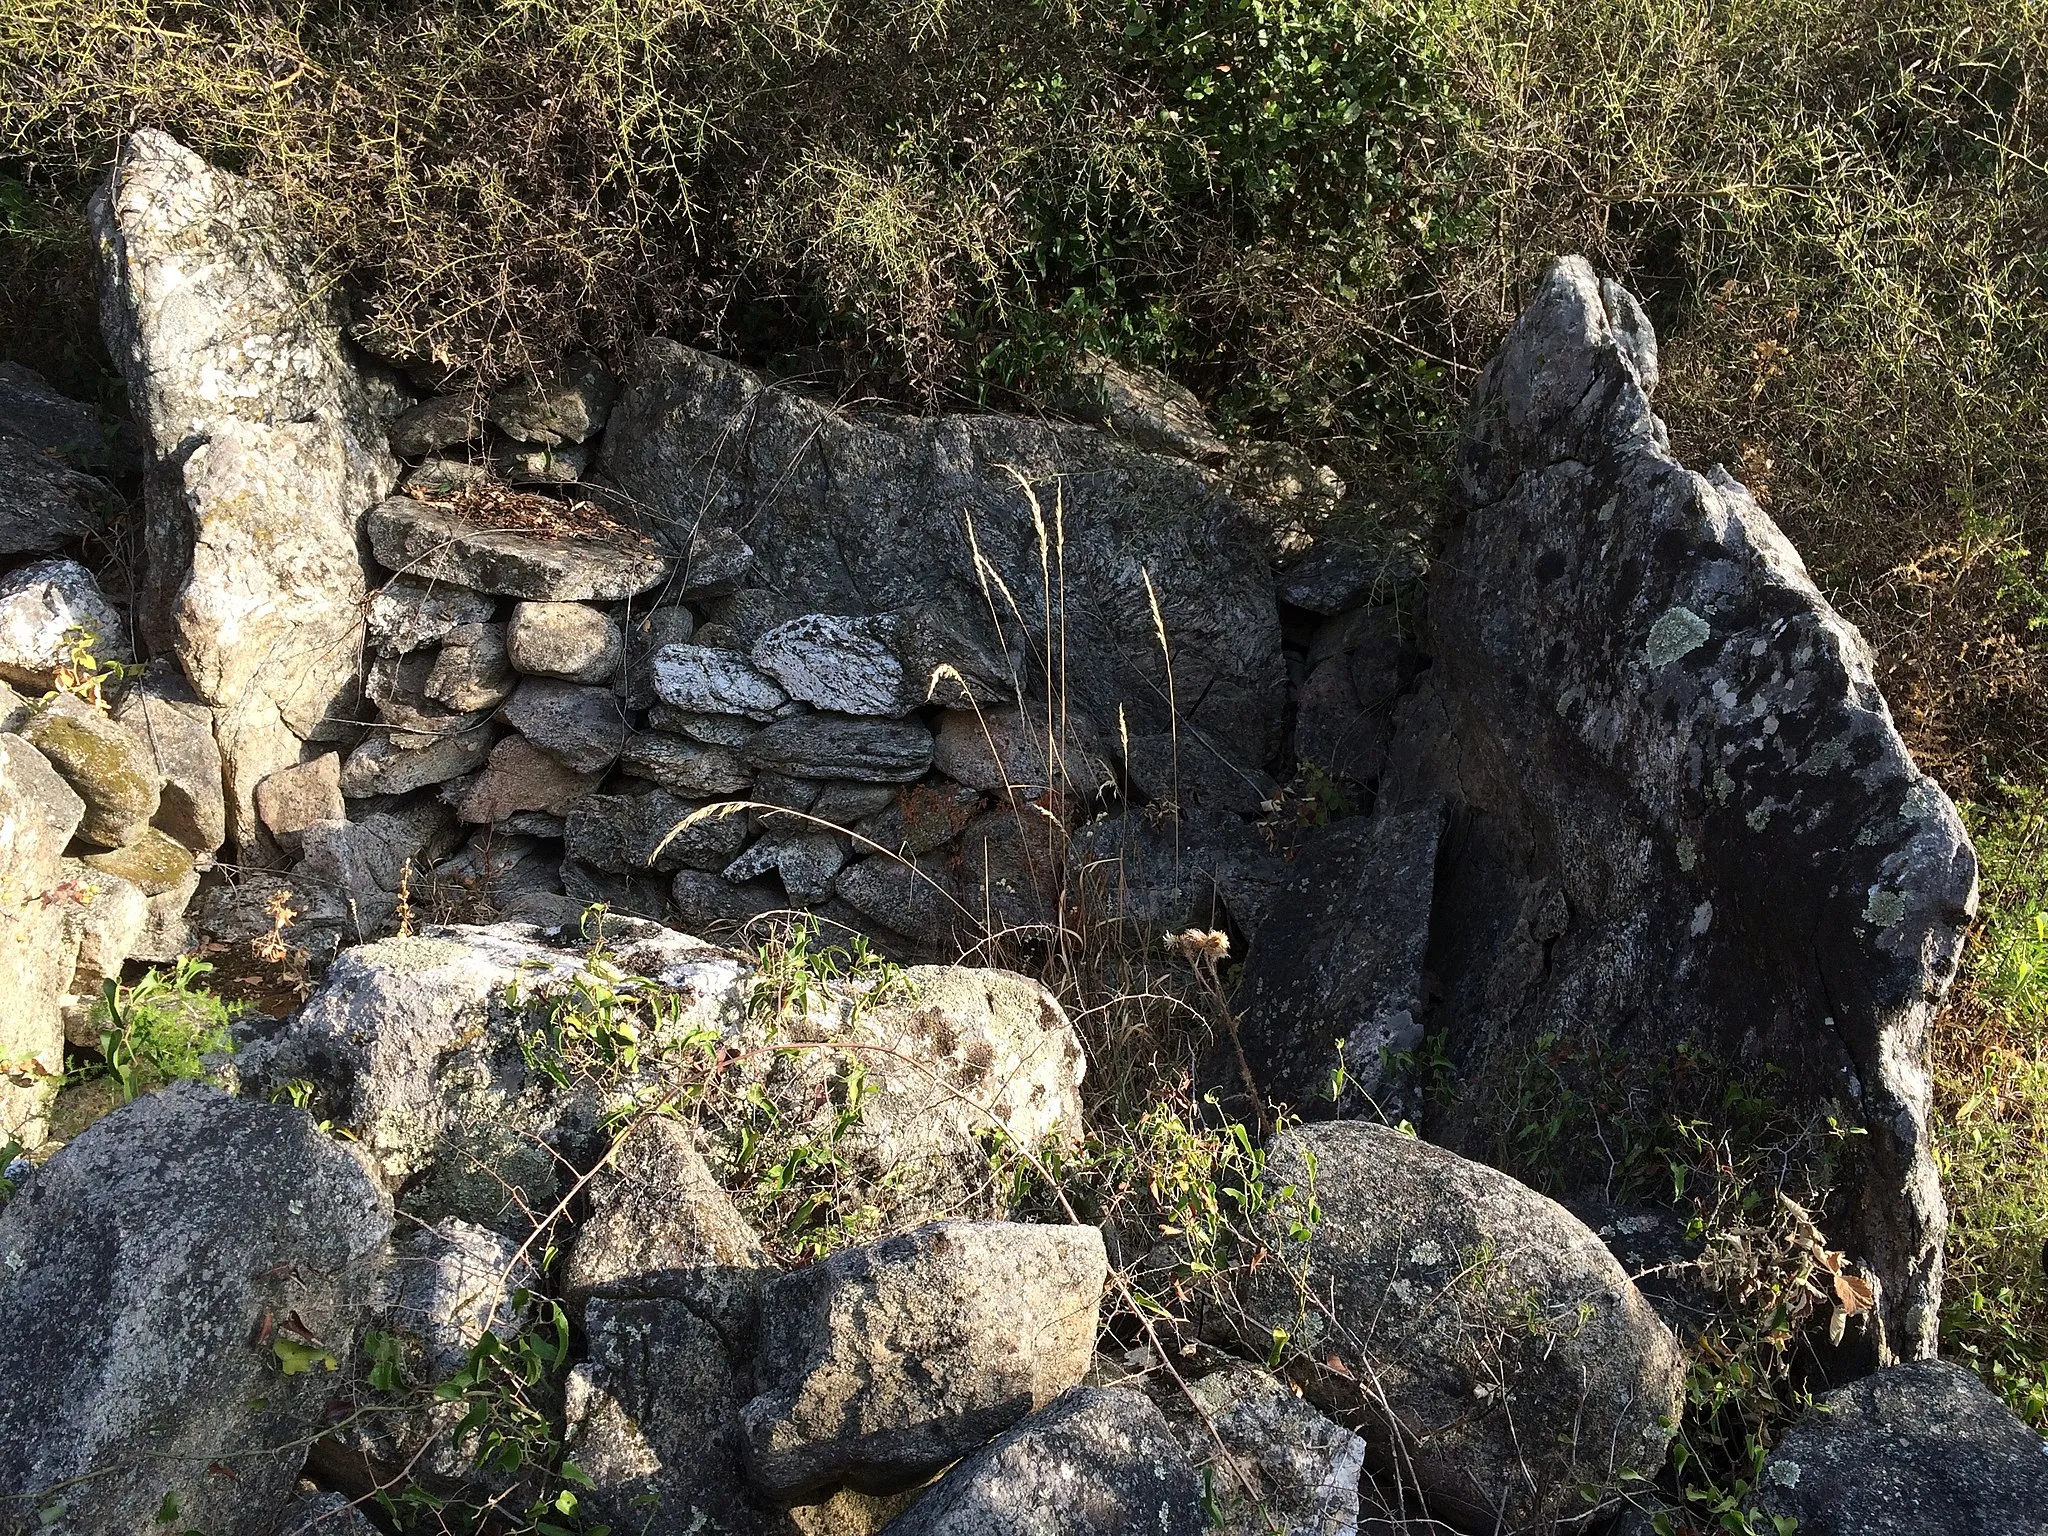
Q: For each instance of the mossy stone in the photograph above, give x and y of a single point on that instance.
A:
(109, 768)
(156, 861)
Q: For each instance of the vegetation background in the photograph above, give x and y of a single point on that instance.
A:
(1320, 214)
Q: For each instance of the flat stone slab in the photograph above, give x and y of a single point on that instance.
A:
(431, 543)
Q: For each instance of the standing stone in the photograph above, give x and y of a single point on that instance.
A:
(1484, 1339)
(160, 711)
(1099, 1459)
(880, 1365)
(1681, 807)
(111, 770)
(292, 799)
(570, 641)
(38, 815)
(264, 451)
(46, 610)
(1334, 981)
(208, 1235)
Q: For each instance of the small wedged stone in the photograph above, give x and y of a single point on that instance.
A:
(1484, 1341)
(178, 1224)
(292, 799)
(1097, 1459)
(843, 747)
(711, 729)
(112, 771)
(568, 405)
(880, 1365)
(47, 608)
(582, 727)
(378, 766)
(473, 669)
(644, 634)
(804, 860)
(440, 422)
(570, 641)
(406, 615)
(397, 687)
(522, 464)
(1004, 748)
(705, 680)
(1271, 1462)
(160, 711)
(521, 777)
(1920, 1449)
(428, 543)
(685, 768)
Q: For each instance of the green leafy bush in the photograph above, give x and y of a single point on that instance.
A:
(161, 1029)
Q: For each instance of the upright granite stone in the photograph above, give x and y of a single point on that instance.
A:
(868, 512)
(263, 451)
(39, 812)
(154, 1276)
(1679, 806)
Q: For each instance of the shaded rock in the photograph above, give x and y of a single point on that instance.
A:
(569, 405)
(653, 1422)
(44, 503)
(714, 561)
(844, 802)
(1336, 975)
(521, 777)
(645, 634)
(706, 902)
(685, 767)
(922, 817)
(906, 899)
(177, 732)
(253, 575)
(869, 512)
(380, 767)
(58, 427)
(1273, 1463)
(839, 662)
(407, 615)
(177, 1223)
(1001, 748)
(702, 679)
(518, 464)
(440, 1290)
(582, 728)
(880, 1365)
(570, 641)
(1923, 1448)
(441, 422)
(361, 865)
(839, 747)
(805, 861)
(156, 862)
(104, 917)
(316, 1513)
(1344, 717)
(109, 768)
(660, 1226)
(1142, 404)
(1098, 1459)
(713, 730)
(292, 799)
(167, 933)
(1336, 576)
(46, 610)
(439, 478)
(1494, 1351)
(431, 543)
(1292, 495)
(736, 620)
(473, 669)
(39, 812)
(1169, 873)
(1665, 749)
(1194, 774)
(414, 1047)
(634, 895)
(14, 710)
(629, 834)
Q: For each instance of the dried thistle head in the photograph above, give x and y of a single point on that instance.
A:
(1209, 946)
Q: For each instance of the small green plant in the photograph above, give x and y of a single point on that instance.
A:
(84, 673)
(161, 1029)
(797, 971)
(11, 1153)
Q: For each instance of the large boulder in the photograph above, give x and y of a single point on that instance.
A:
(1922, 1449)
(1492, 1348)
(867, 512)
(881, 1365)
(1098, 1459)
(39, 812)
(178, 1288)
(1680, 809)
(263, 452)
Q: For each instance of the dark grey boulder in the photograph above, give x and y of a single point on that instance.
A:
(1921, 1449)
(634, 834)
(152, 1276)
(1344, 715)
(582, 728)
(842, 747)
(1098, 1459)
(65, 430)
(441, 422)
(431, 544)
(1200, 869)
(44, 503)
(1333, 986)
(1492, 1351)
(880, 1365)
(568, 404)
(685, 767)
(1679, 805)
(853, 512)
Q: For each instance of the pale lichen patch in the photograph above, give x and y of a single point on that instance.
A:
(1678, 633)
